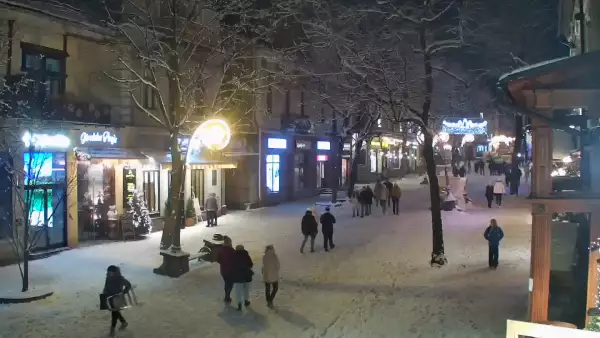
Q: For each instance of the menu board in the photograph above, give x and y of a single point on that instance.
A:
(129, 185)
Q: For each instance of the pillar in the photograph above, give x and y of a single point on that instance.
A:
(72, 207)
(539, 280)
(542, 158)
(592, 285)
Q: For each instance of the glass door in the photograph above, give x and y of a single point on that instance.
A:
(46, 209)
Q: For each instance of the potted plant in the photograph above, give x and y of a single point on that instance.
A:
(190, 213)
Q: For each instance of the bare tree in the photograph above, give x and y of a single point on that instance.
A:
(390, 54)
(197, 60)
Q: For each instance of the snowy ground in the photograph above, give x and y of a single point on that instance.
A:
(375, 283)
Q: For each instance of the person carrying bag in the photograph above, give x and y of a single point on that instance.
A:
(116, 295)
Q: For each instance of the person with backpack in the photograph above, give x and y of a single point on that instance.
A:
(493, 234)
(115, 287)
(327, 222)
(310, 229)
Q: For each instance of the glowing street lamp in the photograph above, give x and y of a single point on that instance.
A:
(444, 137)
(213, 134)
(447, 147)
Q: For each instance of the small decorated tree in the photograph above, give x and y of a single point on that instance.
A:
(138, 209)
(190, 213)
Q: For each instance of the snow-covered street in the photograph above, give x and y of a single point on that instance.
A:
(375, 283)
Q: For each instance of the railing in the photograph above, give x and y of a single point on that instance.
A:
(26, 98)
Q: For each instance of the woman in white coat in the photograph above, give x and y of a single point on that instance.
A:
(499, 190)
(270, 270)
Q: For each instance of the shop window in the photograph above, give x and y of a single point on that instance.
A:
(150, 96)
(197, 182)
(96, 198)
(300, 170)
(214, 176)
(152, 190)
(373, 161)
(46, 66)
(272, 167)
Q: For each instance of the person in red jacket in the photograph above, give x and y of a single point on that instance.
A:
(225, 260)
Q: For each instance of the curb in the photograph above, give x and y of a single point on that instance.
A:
(20, 300)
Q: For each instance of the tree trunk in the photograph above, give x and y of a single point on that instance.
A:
(26, 239)
(515, 179)
(354, 167)
(438, 257)
(405, 156)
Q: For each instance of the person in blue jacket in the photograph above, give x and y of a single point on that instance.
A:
(493, 234)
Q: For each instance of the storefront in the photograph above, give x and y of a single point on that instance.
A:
(324, 170)
(304, 178)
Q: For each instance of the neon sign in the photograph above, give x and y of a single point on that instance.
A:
(106, 137)
(464, 126)
(46, 141)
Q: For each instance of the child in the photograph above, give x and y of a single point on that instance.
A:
(115, 284)
(355, 204)
(494, 235)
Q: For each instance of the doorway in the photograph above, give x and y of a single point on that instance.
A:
(47, 215)
(321, 175)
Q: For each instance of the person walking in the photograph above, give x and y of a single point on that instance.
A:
(362, 198)
(212, 207)
(499, 190)
(389, 187)
(489, 194)
(270, 271)
(383, 199)
(115, 286)
(377, 192)
(516, 180)
(396, 194)
(493, 234)
(356, 205)
(242, 276)
(327, 222)
(225, 259)
(310, 229)
(369, 201)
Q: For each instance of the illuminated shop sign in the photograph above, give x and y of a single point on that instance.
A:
(59, 141)
(322, 158)
(304, 145)
(464, 126)
(323, 145)
(105, 137)
(276, 143)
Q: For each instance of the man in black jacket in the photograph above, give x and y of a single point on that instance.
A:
(327, 222)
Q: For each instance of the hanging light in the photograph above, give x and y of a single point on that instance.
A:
(444, 136)
(467, 139)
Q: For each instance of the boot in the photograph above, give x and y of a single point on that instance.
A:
(112, 332)
(123, 326)
(247, 303)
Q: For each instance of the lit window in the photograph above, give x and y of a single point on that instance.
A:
(273, 173)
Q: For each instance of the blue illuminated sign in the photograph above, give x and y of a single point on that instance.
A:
(276, 143)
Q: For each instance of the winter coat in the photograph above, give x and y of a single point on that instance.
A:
(499, 188)
(389, 186)
(115, 285)
(493, 235)
(384, 194)
(489, 191)
(309, 225)
(270, 267)
(377, 191)
(368, 196)
(225, 260)
(242, 267)
(211, 204)
(396, 192)
(354, 200)
(327, 222)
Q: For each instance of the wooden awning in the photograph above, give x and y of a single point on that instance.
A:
(565, 83)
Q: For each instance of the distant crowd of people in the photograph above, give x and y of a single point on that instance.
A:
(383, 195)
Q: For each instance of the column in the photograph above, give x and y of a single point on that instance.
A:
(72, 207)
(593, 264)
(542, 158)
(539, 280)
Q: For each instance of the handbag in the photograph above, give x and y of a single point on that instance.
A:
(119, 301)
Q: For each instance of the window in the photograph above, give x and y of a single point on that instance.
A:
(47, 67)
(198, 185)
(149, 97)
(214, 176)
(152, 190)
(273, 173)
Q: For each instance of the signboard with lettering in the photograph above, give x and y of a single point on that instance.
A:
(97, 138)
(129, 185)
(303, 145)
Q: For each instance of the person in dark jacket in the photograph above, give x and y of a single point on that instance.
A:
(115, 284)
(225, 260)
(389, 187)
(327, 222)
(489, 194)
(362, 199)
(493, 234)
(242, 276)
(310, 228)
(369, 199)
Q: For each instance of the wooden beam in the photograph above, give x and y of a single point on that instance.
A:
(541, 241)
(553, 99)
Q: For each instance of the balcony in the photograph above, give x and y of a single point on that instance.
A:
(26, 98)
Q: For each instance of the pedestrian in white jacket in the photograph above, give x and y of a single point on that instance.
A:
(270, 270)
(499, 190)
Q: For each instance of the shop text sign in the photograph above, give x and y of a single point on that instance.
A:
(129, 185)
(105, 137)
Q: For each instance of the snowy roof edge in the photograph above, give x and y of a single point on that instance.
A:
(530, 67)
